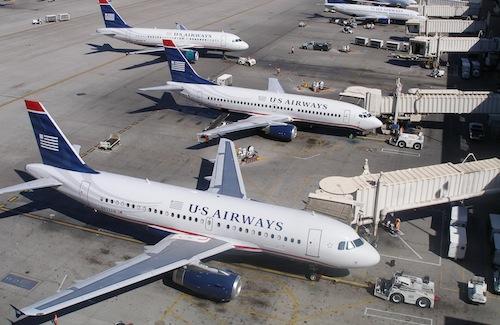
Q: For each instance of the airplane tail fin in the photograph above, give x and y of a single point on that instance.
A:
(54, 147)
(180, 69)
(111, 17)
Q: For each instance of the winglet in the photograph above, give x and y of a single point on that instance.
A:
(18, 312)
(34, 106)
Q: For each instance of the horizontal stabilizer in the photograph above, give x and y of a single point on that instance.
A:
(31, 185)
(163, 88)
(153, 50)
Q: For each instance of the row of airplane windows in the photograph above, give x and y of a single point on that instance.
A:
(183, 38)
(272, 106)
(201, 220)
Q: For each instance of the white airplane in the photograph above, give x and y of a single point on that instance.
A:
(271, 110)
(188, 40)
(376, 13)
(391, 3)
(199, 224)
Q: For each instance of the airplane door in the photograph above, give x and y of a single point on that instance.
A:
(84, 191)
(209, 223)
(313, 242)
(347, 114)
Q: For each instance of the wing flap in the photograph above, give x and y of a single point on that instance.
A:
(170, 253)
(31, 185)
(251, 122)
(226, 176)
(274, 85)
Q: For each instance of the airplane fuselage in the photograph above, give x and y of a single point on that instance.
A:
(299, 108)
(184, 38)
(247, 224)
(370, 11)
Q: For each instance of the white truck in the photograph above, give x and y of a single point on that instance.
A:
(248, 61)
(408, 140)
(476, 290)
(406, 288)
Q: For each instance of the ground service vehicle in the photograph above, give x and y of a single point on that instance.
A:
(317, 46)
(408, 140)
(406, 288)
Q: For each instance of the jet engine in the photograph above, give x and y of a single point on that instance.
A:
(281, 132)
(209, 282)
(386, 21)
(191, 55)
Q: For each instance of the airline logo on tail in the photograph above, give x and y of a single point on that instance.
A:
(109, 16)
(49, 142)
(178, 66)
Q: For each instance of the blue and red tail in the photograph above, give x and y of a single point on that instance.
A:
(180, 68)
(55, 148)
(111, 17)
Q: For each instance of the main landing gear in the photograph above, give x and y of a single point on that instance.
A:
(313, 274)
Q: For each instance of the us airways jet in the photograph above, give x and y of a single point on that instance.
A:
(188, 40)
(373, 13)
(271, 110)
(198, 224)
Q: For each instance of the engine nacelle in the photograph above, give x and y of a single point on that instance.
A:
(212, 283)
(281, 132)
(191, 55)
(386, 21)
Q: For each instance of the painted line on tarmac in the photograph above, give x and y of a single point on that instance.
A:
(411, 248)
(306, 158)
(398, 317)
(73, 226)
(400, 152)
(12, 198)
(411, 260)
(55, 83)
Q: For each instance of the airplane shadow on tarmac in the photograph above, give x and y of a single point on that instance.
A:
(42, 199)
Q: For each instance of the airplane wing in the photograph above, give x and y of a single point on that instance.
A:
(273, 85)
(172, 252)
(226, 176)
(31, 185)
(166, 87)
(252, 122)
(372, 16)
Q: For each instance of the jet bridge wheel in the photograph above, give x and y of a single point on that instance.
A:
(423, 303)
(397, 298)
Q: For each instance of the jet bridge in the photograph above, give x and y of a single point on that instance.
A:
(430, 101)
(368, 198)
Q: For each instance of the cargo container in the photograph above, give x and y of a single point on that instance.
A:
(377, 43)
(50, 18)
(225, 80)
(458, 216)
(362, 41)
(496, 250)
(63, 17)
(458, 242)
(392, 46)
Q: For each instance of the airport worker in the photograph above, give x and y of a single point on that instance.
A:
(292, 50)
(397, 224)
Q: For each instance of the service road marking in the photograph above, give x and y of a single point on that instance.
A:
(397, 317)
(400, 152)
(305, 158)
(411, 248)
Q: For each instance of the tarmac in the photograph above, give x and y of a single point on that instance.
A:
(91, 88)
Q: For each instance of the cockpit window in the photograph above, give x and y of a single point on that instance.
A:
(358, 242)
(237, 40)
(348, 245)
(365, 115)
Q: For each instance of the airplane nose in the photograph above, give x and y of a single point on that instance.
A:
(244, 45)
(376, 123)
(371, 256)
